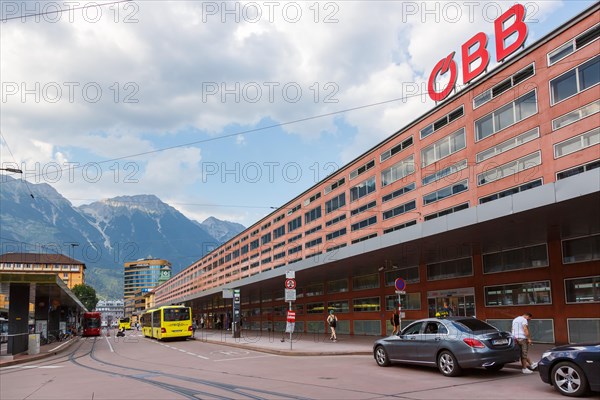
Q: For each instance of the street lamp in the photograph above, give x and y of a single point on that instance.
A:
(15, 170)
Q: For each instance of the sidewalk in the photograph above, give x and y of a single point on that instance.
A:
(269, 342)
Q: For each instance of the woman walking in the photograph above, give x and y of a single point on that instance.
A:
(332, 321)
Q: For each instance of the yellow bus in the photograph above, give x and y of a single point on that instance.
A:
(124, 323)
(168, 322)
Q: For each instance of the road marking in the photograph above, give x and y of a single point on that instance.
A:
(109, 345)
(244, 358)
(34, 366)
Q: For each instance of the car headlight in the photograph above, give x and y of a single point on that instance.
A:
(546, 354)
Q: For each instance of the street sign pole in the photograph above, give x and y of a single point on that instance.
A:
(290, 308)
(400, 290)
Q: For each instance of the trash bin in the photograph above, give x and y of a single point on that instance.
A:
(34, 343)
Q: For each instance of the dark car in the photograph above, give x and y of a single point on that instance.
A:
(573, 369)
(450, 344)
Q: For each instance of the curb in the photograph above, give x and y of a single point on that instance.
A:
(289, 352)
(36, 357)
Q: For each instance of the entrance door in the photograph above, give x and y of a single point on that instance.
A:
(456, 305)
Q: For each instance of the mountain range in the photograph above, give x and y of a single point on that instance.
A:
(105, 233)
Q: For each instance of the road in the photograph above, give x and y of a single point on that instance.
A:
(138, 368)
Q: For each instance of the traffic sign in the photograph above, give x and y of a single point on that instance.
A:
(290, 294)
(400, 284)
(290, 284)
(291, 316)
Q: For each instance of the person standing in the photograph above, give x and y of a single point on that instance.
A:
(520, 331)
(395, 320)
(332, 321)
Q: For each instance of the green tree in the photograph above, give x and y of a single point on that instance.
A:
(87, 295)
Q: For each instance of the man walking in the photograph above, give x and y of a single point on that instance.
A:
(520, 331)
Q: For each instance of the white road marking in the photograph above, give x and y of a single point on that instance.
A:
(34, 366)
(109, 345)
(245, 358)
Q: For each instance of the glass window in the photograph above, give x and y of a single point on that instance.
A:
(315, 308)
(509, 169)
(445, 192)
(365, 282)
(583, 290)
(337, 286)
(577, 143)
(518, 294)
(409, 274)
(340, 306)
(366, 304)
(449, 269)
(507, 115)
(515, 259)
(581, 249)
(584, 330)
(314, 289)
(335, 203)
(576, 80)
(398, 171)
(410, 301)
(362, 189)
(576, 115)
(509, 144)
(443, 148)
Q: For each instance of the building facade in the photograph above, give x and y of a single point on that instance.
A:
(69, 270)
(144, 274)
(111, 310)
(487, 205)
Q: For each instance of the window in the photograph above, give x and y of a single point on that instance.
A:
(578, 170)
(254, 244)
(586, 248)
(398, 171)
(335, 203)
(402, 209)
(583, 330)
(444, 172)
(365, 282)
(334, 185)
(313, 230)
(577, 143)
(575, 81)
(410, 301)
(583, 290)
(294, 250)
(363, 238)
(576, 115)
(518, 294)
(511, 191)
(315, 308)
(335, 234)
(336, 220)
(396, 149)
(447, 211)
(364, 223)
(366, 305)
(449, 269)
(503, 86)
(275, 220)
(507, 115)
(278, 232)
(578, 42)
(265, 238)
(362, 169)
(364, 208)
(362, 189)
(340, 306)
(443, 148)
(509, 169)
(440, 123)
(337, 286)
(516, 259)
(294, 224)
(293, 210)
(401, 226)
(314, 289)
(312, 198)
(409, 274)
(399, 192)
(446, 192)
(313, 243)
(312, 215)
(509, 144)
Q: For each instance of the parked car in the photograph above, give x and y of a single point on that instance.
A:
(573, 369)
(450, 344)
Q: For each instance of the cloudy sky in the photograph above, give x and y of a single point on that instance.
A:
(221, 109)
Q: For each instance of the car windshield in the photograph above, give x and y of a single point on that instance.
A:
(473, 325)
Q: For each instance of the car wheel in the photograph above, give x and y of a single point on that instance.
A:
(381, 357)
(448, 365)
(569, 379)
(495, 367)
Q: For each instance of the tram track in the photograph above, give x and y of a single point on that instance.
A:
(148, 376)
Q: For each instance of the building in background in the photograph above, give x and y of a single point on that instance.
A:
(144, 274)
(69, 270)
(487, 205)
(111, 311)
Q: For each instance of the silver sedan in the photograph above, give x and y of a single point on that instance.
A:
(450, 344)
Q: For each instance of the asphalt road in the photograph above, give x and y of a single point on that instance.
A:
(138, 368)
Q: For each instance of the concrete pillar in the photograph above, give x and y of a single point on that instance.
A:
(18, 318)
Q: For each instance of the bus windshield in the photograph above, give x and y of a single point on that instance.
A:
(177, 314)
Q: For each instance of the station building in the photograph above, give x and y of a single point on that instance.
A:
(487, 205)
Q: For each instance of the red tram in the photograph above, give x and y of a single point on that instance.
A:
(92, 322)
